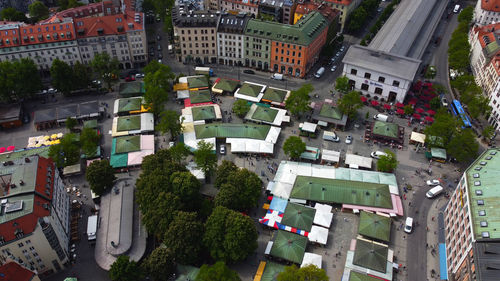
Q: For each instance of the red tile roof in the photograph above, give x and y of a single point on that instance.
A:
(340, 2)
(93, 9)
(254, 4)
(106, 25)
(490, 5)
(12, 271)
(487, 33)
(326, 11)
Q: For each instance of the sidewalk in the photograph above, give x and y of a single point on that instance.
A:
(435, 236)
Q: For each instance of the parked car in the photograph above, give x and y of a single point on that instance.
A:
(52, 91)
(444, 102)
(248, 71)
(171, 144)
(433, 182)
(222, 149)
(129, 78)
(342, 48)
(434, 192)
(337, 54)
(334, 67)
(158, 37)
(348, 139)
(160, 55)
(409, 225)
(139, 75)
(377, 154)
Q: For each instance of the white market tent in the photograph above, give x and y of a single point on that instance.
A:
(323, 216)
(356, 161)
(417, 137)
(318, 235)
(310, 258)
(330, 155)
(308, 127)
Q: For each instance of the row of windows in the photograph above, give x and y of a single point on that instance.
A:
(206, 52)
(288, 52)
(202, 31)
(288, 45)
(381, 79)
(287, 60)
(203, 45)
(202, 38)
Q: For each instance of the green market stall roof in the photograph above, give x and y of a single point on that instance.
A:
(275, 95)
(225, 85)
(375, 226)
(225, 130)
(298, 216)
(252, 90)
(200, 81)
(371, 255)
(203, 113)
(271, 271)
(266, 114)
(127, 144)
(438, 153)
(386, 129)
(129, 104)
(289, 246)
(200, 96)
(131, 89)
(90, 124)
(330, 111)
(129, 123)
(187, 273)
(356, 276)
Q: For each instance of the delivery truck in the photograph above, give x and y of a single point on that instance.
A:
(204, 71)
(92, 228)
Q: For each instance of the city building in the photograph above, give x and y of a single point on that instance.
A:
(487, 12)
(276, 10)
(294, 49)
(386, 68)
(35, 213)
(471, 221)
(345, 7)
(230, 45)
(485, 64)
(194, 35)
(11, 270)
(241, 6)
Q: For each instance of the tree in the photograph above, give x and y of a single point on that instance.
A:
(350, 103)
(466, 15)
(241, 108)
(187, 187)
(124, 269)
(170, 122)
(387, 163)
(161, 213)
(223, 171)
(463, 146)
(435, 103)
(65, 153)
(408, 109)
(479, 106)
(294, 147)
(68, 4)
(217, 272)
(89, 140)
(38, 11)
(307, 273)
(71, 123)
(357, 19)
(158, 75)
(19, 79)
(430, 73)
(11, 14)
(342, 84)
(240, 192)
(488, 132)
(229, 236)
(184, 238)
(100, 176)
(298, 101)
(205, 158)
(160, 265)
(179, 152)
(155, 98)
(82, 75)
(62, 76)
(106, 67)
(445, 126)
(463, 82)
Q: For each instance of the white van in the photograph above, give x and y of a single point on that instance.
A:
(377, 154)
(319, 72)
(457, 7)
(170, 49)
(277, 76)
(330, 136)
(381, 117)
(434, 191)
(409, 225)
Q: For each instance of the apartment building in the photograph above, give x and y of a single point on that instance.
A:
(277, 10)
(486, 12)
(471, 222)
(240, 6)
(195, 35)
(34, 217)
(485, 64)
(11, 270)
(288, 49)
(230, 38)
(345, 7)
(213, 5)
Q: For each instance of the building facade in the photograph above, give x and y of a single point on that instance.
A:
(34, 223)
(345, 7)
(11, 270)
(230, 39)
(241, 6)
(277, 10)
(195, 36)
(486, 12)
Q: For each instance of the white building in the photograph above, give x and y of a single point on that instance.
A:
(243, 6)
(230, 35)
(487, 12)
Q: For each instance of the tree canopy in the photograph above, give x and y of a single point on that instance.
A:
(241, 108)
(307, 273)
(106, 67)
(342, 84)
(179, 152)
(350, 103)
(294, 147)
(38, 11)
(240, 190)
(186, 186)
(160, 265)
(124, 269)
(463, 146)
(89, 141)
(387, 163)
(62, 76)
(444, 126)
(217, 272)
(170, 122)
(298, 101)
(11, 14)
(223, 171)
(65, 153)
(19, 79)
(205, 158)
(100, 176)
(184, 238)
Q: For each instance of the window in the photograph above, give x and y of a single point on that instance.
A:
(368, 75)
(364, 87)
(20, 245)
(395, 83)
(381, 79)
(354, 71)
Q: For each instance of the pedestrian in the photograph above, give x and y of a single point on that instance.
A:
(432, 218)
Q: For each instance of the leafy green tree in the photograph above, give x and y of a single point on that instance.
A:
(158, 75)
(241, 108)
(217, 272)
(89, 140)
(294, 147)
(479, 106)
(387, 163)
(161, 213)
(466, 15)
(298, 101)
(463, 146)
(342, 84)
(223, 171)
(82, 75)
(430, 73)
(124, 269)
(38, 11)
(170, 122)
(439, 88)
(187, 187)
(357, 19)
(179, 152)
(71, 123)
(100, 176)
(62, 76)
(488, 132)
(463, 82)
(106, 67)
(241, 190)
(350, 103)
(184, 238)
(435, 103)
(160, 265)
(229, 236)
(65, 153)
(408, 109)
(445, 126)
(155, 98)
(68, 4)
(459, 49)
(11, 14)
(307, 273)
(205, 158)
(19, 79)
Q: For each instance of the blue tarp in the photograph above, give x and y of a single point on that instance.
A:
(443, 270)
(278, 204)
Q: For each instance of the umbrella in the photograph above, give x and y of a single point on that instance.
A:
(427, 105)
(419, 110)
(416, 116)
(2, 149)
(60, 135)
(398, 104)
(57, 141)
(363, 99)
(53, 136)
(431, 112)
(412, 102)
(374, 102)
(46, 137)
(400, 111)
(38, 145)
(387, 106)
(429, 119)
(10, 148)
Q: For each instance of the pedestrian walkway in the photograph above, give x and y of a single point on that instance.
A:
(435, 237)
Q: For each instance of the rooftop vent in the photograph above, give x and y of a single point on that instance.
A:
(480, 202)
(482, 213)
(485, 234)
(475, 176)
(477, 183)
(483, 224)
(488, 157)
(478, 168)
(479, 192)
(483, 163)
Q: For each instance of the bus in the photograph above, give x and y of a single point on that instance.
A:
(457, 110)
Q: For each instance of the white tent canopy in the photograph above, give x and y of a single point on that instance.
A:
(358, 161)
(330, 155)
(308, 127)
(323, 216)
(318, 234)
(417, 137)
(310, 258)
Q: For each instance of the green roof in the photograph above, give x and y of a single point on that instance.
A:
(40, 151)
(200, 81)
(250, 90)
(386, 129)
(274, 94)
(129, 104)
(187, 273)
(330, 111)
(227, 130)
(438, 153)
(483, 175)
(302, 33)
(266, 114)
(97, 153)
(132, 89)
(119, 160)
(311, 153)
(271, 271)
(356, 276)
(200, 96)
(127, 144)
(129, 123)
(298, 216)
(375, 226)
(492, 47)
(342, 191)
(227, 85)
(289, 246)
(371, 255)
(90, 124)
(203, 113)
(27, 207)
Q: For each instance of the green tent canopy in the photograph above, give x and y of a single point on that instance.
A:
(386, 129)
(197, 82)
(356, 276)
(251, 90)
(226, 85)
(375, 226)
(128, 144)
(229, 130)
(129, 104)
(289, 246)
(200, 96)
(371, 255)
(203, 113)
(187, 273)
(265, 114)
(129, 123)
(132, 89)
(271, 271)
(330, 111)
(90, 124)
(274, 95)
(298, 216)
